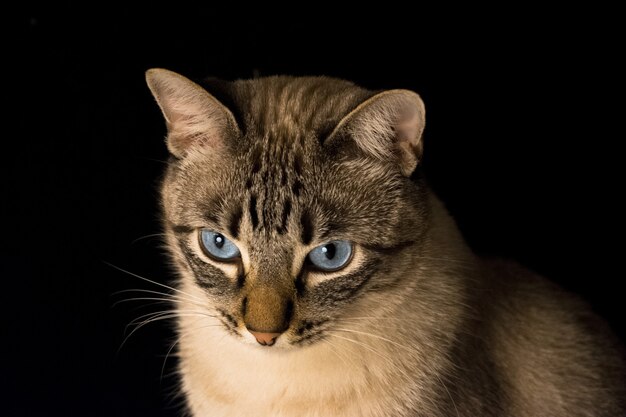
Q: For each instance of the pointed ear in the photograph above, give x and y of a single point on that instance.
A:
(387, 126)
(194, 117)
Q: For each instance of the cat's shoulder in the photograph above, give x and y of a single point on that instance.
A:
(533, 311)
(522, 291)
(539, 333)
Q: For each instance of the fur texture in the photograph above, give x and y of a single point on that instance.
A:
(414, 325)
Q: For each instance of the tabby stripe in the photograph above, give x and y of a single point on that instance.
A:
(340, 289)
(254, 218)
(300, 285)
(390, 249)
(181, 229)
(295, 187)
(256, 160)
(306, 234)
(241, 276)
(235, 222)
(297, 164)
(354, 280)
(211, 218)
(282, 228)
(206, 275)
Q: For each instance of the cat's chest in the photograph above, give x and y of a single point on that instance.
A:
(240, 381)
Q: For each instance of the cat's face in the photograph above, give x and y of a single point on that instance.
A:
(283, 220)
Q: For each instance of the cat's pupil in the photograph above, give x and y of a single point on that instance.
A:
(219, 241)
(329, 250)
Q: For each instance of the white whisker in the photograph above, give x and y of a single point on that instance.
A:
(159, 299)
(167, 294)
(179, 338)
(411, 349)
(159, 317)
(166, 297)
(163, 312)
(125, 300)
(364, 345)
(337, 351)
(146, 237)
(151, 281)
(378, 318)
(139, 326)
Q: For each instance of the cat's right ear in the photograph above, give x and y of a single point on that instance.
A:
(387, 127)
(194, 117)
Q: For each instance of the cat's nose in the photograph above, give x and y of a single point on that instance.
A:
(265, 339)
(267, 311)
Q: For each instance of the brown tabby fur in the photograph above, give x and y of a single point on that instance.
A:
(415, 325)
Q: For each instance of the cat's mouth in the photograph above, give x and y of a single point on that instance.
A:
(304, 333)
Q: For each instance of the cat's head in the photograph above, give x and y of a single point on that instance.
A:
(287, 200)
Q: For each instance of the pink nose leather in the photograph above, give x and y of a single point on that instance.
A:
(265, 339)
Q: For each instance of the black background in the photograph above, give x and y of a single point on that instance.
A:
(521, 143)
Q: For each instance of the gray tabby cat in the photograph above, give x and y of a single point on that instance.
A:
(317, 279)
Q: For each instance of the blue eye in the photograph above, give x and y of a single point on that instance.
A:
(216, 246)
(331, 256)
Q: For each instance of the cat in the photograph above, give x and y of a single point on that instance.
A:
(319, 277)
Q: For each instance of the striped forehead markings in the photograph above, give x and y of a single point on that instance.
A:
(282, 227)
(252, 207)
(234, 222)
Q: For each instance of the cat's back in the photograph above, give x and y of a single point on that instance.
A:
(555, 356)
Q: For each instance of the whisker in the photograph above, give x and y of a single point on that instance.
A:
(377, 318)
(161, 299)
(163, 312)
(141, 290)
(178, 339)
(152, 159)
(393, 364)
(166, 297)
(139, 326)
(146, 237)
(155, 319)
(411, 349)
(336, 350)
(125, 300)
(143, 317)
(169, 351)
(396, 367)
(362, 345)
(151, 281)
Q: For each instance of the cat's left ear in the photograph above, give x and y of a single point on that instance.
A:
(387, 126)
